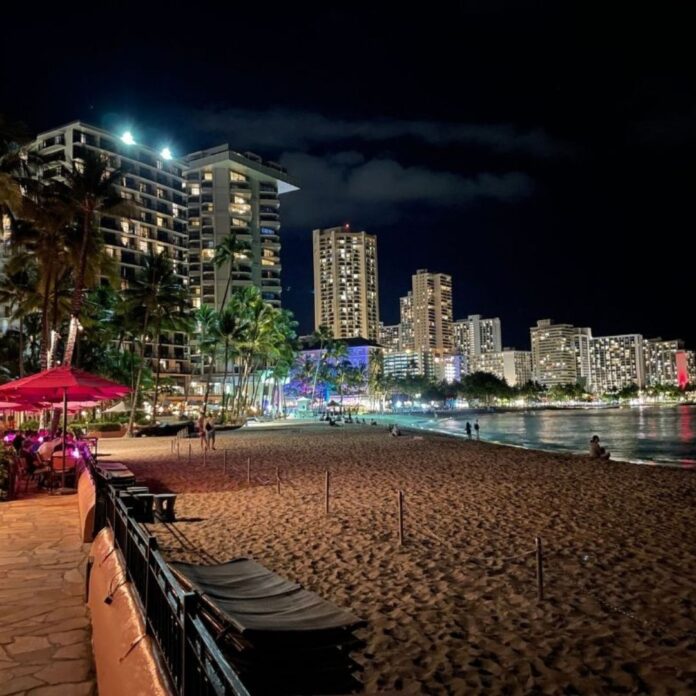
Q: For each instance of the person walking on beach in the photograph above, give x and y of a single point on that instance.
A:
(210, 432)
(201, 431)
(468, 430)
(476, 428)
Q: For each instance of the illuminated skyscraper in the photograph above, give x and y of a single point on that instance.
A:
(560, 353)
(407, 339)
(346, 294)
(432, 311)
(233, 194)
(152, 182)
(616, 362)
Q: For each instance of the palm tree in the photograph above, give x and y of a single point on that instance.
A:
(153, 295)
(227, 252)
(207, 334)
(231, 328)
(322, 336)
(18, 293)
(90, 191)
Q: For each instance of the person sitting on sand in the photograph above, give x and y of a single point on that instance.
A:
(395, 431)
(596, 451)
(373, 422)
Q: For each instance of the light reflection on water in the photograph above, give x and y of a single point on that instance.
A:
(650, 433)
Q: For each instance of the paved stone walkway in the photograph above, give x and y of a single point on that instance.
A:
(45, 647)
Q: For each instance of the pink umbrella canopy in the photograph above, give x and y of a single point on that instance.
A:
(54, 384)
(16, 406)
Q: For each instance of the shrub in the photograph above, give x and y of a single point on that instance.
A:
(103, 427)
(5, 463)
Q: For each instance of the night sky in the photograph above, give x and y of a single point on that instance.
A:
(542, 154)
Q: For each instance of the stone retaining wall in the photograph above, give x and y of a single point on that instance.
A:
(124, 655)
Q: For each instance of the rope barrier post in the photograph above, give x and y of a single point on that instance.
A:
(224, 459)
(539, 568)
(326, 492)
(248, 471)
(278, 480)
(400, 503)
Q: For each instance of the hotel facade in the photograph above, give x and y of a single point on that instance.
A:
(183, 206)
(616, 362)
(346, 291)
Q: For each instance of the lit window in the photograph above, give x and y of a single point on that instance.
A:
(207, 176)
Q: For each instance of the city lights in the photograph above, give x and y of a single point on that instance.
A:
(128, 138)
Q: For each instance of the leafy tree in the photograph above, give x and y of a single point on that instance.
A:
(89, 192)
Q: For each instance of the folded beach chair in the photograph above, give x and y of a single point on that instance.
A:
(281, 637)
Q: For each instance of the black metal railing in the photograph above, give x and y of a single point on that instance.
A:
(194, 663)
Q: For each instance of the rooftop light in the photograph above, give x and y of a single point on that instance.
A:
(127, 138)
(166, 153)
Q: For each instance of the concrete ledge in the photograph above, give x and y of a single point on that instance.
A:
(125, 657)
(86, 500)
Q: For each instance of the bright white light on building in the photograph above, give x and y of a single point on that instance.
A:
(128, 138)
(166, 153)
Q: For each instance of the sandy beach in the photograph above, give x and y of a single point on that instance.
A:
(455, 609)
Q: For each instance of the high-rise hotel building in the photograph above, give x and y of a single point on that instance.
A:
(559, 353)
(473, 337)
(229, 193)
(153, 183)
(186, 207)
(407, 339)
(432, 311)
(616, 362)
(346, 294)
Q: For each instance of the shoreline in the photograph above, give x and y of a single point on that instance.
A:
(668, 463)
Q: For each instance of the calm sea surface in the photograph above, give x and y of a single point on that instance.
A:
(659, 434)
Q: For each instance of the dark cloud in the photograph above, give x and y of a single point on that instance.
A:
(346, 185)
(286, 129)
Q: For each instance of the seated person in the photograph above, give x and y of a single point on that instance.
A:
(395, 431)
(596, 451)
(48, 447)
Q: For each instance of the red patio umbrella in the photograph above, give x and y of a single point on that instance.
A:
(62, 384)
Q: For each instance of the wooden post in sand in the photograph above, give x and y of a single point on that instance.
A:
(400, 504)
(178, 453)
(278, 480)
(171, 446)
(224, 459)
(539, 568)
(248, 471)
(326, 492)
(189, 456)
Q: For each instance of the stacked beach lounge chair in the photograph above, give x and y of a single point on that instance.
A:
(280, 637)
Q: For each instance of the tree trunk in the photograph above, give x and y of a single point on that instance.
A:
(316, 372)
(157, 372)
(78, 292)
(44, 326)
(136, 389)
(207, 383)
(224, 380)
(21, 347)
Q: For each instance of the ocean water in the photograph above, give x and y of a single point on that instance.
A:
(647, 434)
